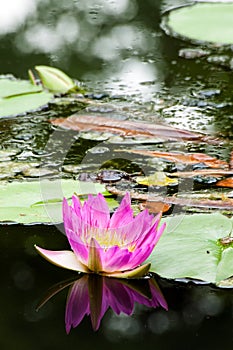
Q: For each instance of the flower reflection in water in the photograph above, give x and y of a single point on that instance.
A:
(92, 295)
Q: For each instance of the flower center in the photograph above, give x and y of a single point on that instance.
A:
(109, 238)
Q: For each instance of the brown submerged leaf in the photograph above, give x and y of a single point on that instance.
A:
(155, 207)
(129, 128)
(202, 172)
(225, 182)
(231, 161)
(187, 158)
(223, 203)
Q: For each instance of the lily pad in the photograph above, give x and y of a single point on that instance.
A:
(40, 201)
(20, 96)
(191, 247)
(205, 22)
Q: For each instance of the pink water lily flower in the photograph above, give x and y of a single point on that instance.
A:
(114, 246)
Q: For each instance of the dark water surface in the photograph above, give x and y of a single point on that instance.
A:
(119, 48)
(199, 317)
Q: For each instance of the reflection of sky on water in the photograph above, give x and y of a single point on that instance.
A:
(107, 35)
(14, 13)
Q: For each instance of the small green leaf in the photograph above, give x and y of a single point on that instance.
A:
(55, 80)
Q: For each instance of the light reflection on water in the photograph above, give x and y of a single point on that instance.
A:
(108, 37)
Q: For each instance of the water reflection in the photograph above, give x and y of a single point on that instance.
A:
(96, 41)
(93, 295)
(88, 25)
(14, 13)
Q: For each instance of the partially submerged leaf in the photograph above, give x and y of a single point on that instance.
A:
(231, 161)
(225, 182)
(187, 158)
(223, 203)
(129, 128)
(189, 248)
(202, 172)
(157, 179)
(155, 207)
(54, 79)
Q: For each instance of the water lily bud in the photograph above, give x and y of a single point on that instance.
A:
(55, 80)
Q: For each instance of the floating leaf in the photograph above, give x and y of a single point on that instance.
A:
(155, 207)
(40, 201)
(10, 88)
(211, 22)
(226, 182)
(203, 172)
(188, 200)
(129, 128)
(187, 158)
(20, 96)
(231, 160)
(157, 179)
(55, 80)
(190, 248)
(8, 169)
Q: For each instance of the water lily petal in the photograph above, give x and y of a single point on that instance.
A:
(77, 206)
(66, 209)
(138, 272)
(94, 258)
(140, 255)
(119, 296)
(77, 305)
(78, 246)
(116, 259)
(97, 306)
(145, 246)
(97, 211)
(123, 214)
(152, 235)
(63, 258)
(136, 229)
(157, 298)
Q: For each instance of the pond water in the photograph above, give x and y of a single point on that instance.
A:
(131, 70)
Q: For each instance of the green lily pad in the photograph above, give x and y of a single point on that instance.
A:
(190, 247)
(210, 22)
(40, 201)
(20, 96)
